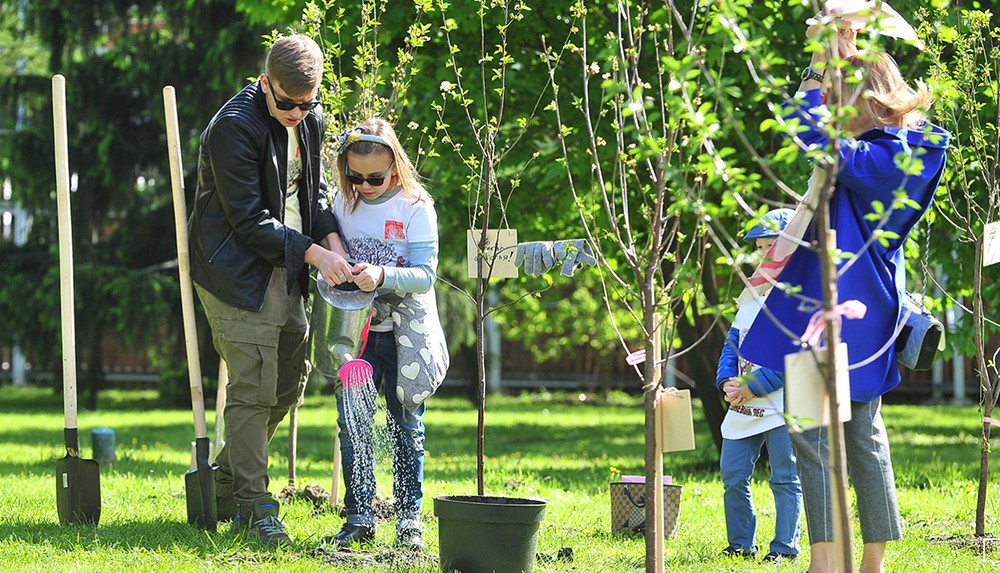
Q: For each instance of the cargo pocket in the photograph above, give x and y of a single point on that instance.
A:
(251, 352)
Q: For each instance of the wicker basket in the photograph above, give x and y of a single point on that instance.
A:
(628, 509)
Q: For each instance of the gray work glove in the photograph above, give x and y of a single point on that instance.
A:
(536, 255)
(574, 253)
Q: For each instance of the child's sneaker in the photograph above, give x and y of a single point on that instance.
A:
(351, 534)
(744, 553)
(775, 557)
(410, 538)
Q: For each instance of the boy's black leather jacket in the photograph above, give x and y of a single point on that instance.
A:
(237, 235)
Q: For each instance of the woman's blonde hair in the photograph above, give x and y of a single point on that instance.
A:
(409, 179)
(885, 97)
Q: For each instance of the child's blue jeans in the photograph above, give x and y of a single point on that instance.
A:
(406, 433)
(737, 464)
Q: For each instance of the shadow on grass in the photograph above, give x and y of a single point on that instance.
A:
(152, 535)
(171, 538)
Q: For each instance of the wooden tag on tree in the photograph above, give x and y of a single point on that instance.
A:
(806, 398)
(674, 422)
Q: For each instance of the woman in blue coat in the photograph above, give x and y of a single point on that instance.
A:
(888, 149)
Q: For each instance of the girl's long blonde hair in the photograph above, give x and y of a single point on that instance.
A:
(885, 97)
(409, 179)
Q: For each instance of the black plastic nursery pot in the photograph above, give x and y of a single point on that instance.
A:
(487, 534)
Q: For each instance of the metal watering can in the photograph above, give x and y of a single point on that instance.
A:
(339, 330)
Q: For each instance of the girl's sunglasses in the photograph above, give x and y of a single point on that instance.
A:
(373, 181)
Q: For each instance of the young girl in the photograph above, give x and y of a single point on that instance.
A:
(389, 227)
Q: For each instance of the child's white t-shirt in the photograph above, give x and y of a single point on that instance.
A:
(758, 414)
(380, 232)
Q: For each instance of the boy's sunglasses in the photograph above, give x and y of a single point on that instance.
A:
(373, 181)
(290, 105)
(285, 105)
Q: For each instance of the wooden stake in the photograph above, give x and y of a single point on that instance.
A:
(335, 490)
(657, 530)
(654, 456)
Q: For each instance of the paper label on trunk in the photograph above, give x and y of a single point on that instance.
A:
(806, 397)
(991, 243)
(674, 424)
(499, 252)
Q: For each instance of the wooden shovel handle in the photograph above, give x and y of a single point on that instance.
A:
(183, 262)
(65, 250)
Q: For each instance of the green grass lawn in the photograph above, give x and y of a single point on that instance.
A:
(554, 446)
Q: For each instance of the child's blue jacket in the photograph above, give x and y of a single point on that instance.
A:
(763, 381)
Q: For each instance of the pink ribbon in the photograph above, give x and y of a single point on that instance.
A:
(849, 309)
(991, 421)
(637, 357)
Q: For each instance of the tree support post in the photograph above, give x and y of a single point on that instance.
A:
(654, 455)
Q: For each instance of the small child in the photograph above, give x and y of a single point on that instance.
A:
(756, 406)
(389, 226)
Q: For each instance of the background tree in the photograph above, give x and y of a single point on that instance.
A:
(116, 57)
(649, 134)
(963, 57)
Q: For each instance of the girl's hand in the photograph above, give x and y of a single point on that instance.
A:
(731, 388)
(368, 277)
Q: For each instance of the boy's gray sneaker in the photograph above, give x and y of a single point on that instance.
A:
(260, 519)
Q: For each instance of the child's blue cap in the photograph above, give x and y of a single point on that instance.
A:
(770, 224)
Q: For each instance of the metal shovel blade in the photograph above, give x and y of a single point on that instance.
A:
(78, 486)
(199, 489)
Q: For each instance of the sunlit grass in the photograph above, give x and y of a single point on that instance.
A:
(553, 446)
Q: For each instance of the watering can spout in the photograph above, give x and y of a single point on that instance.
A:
(342, 355)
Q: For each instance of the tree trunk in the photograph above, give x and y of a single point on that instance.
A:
(986, 390)
(482, 284)
(842, 537)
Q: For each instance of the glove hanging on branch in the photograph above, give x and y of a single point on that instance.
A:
(536, 256)
(540, 256)
(574, 253)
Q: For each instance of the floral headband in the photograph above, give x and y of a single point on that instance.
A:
(351, 136)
